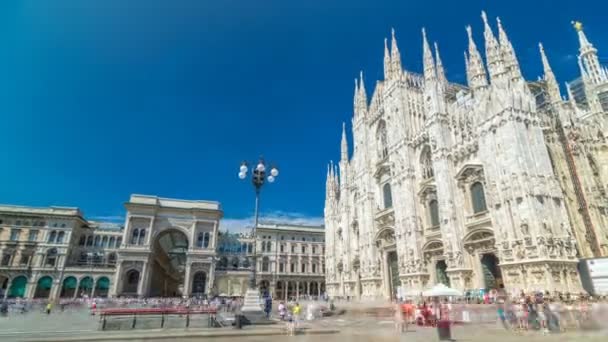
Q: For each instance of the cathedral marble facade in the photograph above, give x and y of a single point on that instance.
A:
(500, 183)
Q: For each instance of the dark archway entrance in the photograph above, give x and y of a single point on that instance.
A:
(17, 288)
(43, 288)
(85, 287)
(169, 264)
(102, 286)
(130, 283)
(441, 271)
(199, 282)
(491, 272)
(68, 289)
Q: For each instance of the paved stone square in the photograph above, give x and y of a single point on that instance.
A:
(80, 325)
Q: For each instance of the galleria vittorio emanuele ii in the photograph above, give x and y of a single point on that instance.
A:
(496, 184)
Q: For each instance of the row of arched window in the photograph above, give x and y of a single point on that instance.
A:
(56, 237)
(266, 246)
(478, 201)
(97, 258)
(100, 241)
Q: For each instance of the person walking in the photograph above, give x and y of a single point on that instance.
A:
(49, 306)
(296, 314)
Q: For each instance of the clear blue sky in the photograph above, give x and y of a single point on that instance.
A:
(101, 99)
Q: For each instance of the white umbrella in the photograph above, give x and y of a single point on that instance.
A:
(441, 290)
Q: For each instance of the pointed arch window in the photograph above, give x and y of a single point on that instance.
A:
(387, 196)
(434, 213)
(426, 163)
(104, 242)
(382, 140)
(97, 241)
(118, 242)
(90, 240)
(478, 198)
(82, 240)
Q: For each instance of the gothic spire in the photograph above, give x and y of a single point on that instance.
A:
(430, 74)
(360, 96)
(466, 66)
(595, 73)
(387, 61)
(549, 77)
(508, 53)
(344, 145)
(395, 55)
(440, 71)
(363, 94)
(493, 55)
(477, 72)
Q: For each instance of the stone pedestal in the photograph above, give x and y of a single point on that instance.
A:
(252, 310)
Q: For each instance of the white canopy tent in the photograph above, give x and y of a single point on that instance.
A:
(440, 290)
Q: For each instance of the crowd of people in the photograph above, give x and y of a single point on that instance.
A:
(540, 312)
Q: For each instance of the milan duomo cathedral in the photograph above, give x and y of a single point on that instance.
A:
(497, 184)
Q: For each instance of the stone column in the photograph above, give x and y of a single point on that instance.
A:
(187, 281)
(385, 276)
(93, 289)
(142, 276)
(297, 290)
(117, 280)
(229, 287)
(478, 269)
(30, 290)
(319, 288)
(8, 287)
(149, 232)
(211, 280)
(286, 288)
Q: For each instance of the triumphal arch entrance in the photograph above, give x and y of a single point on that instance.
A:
(168, 248)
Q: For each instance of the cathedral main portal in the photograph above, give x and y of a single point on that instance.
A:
(168, 264)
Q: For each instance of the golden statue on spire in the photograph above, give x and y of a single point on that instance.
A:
(578, 26)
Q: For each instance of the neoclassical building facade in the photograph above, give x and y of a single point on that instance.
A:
(167, 247)
(55, 252)
(499, 183)
(290, 261)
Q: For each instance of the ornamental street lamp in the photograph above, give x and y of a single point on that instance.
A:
(258, 179)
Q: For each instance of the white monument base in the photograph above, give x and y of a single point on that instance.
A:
(251, 302)
(252, 309)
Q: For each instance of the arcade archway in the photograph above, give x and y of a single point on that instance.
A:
(199, 282)
(17, 287)
(168, 264)
(43, 288)
(68, 289)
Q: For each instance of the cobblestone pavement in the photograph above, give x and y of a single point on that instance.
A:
(353, 328)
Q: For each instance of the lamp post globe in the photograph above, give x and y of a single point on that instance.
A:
(258, 178)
